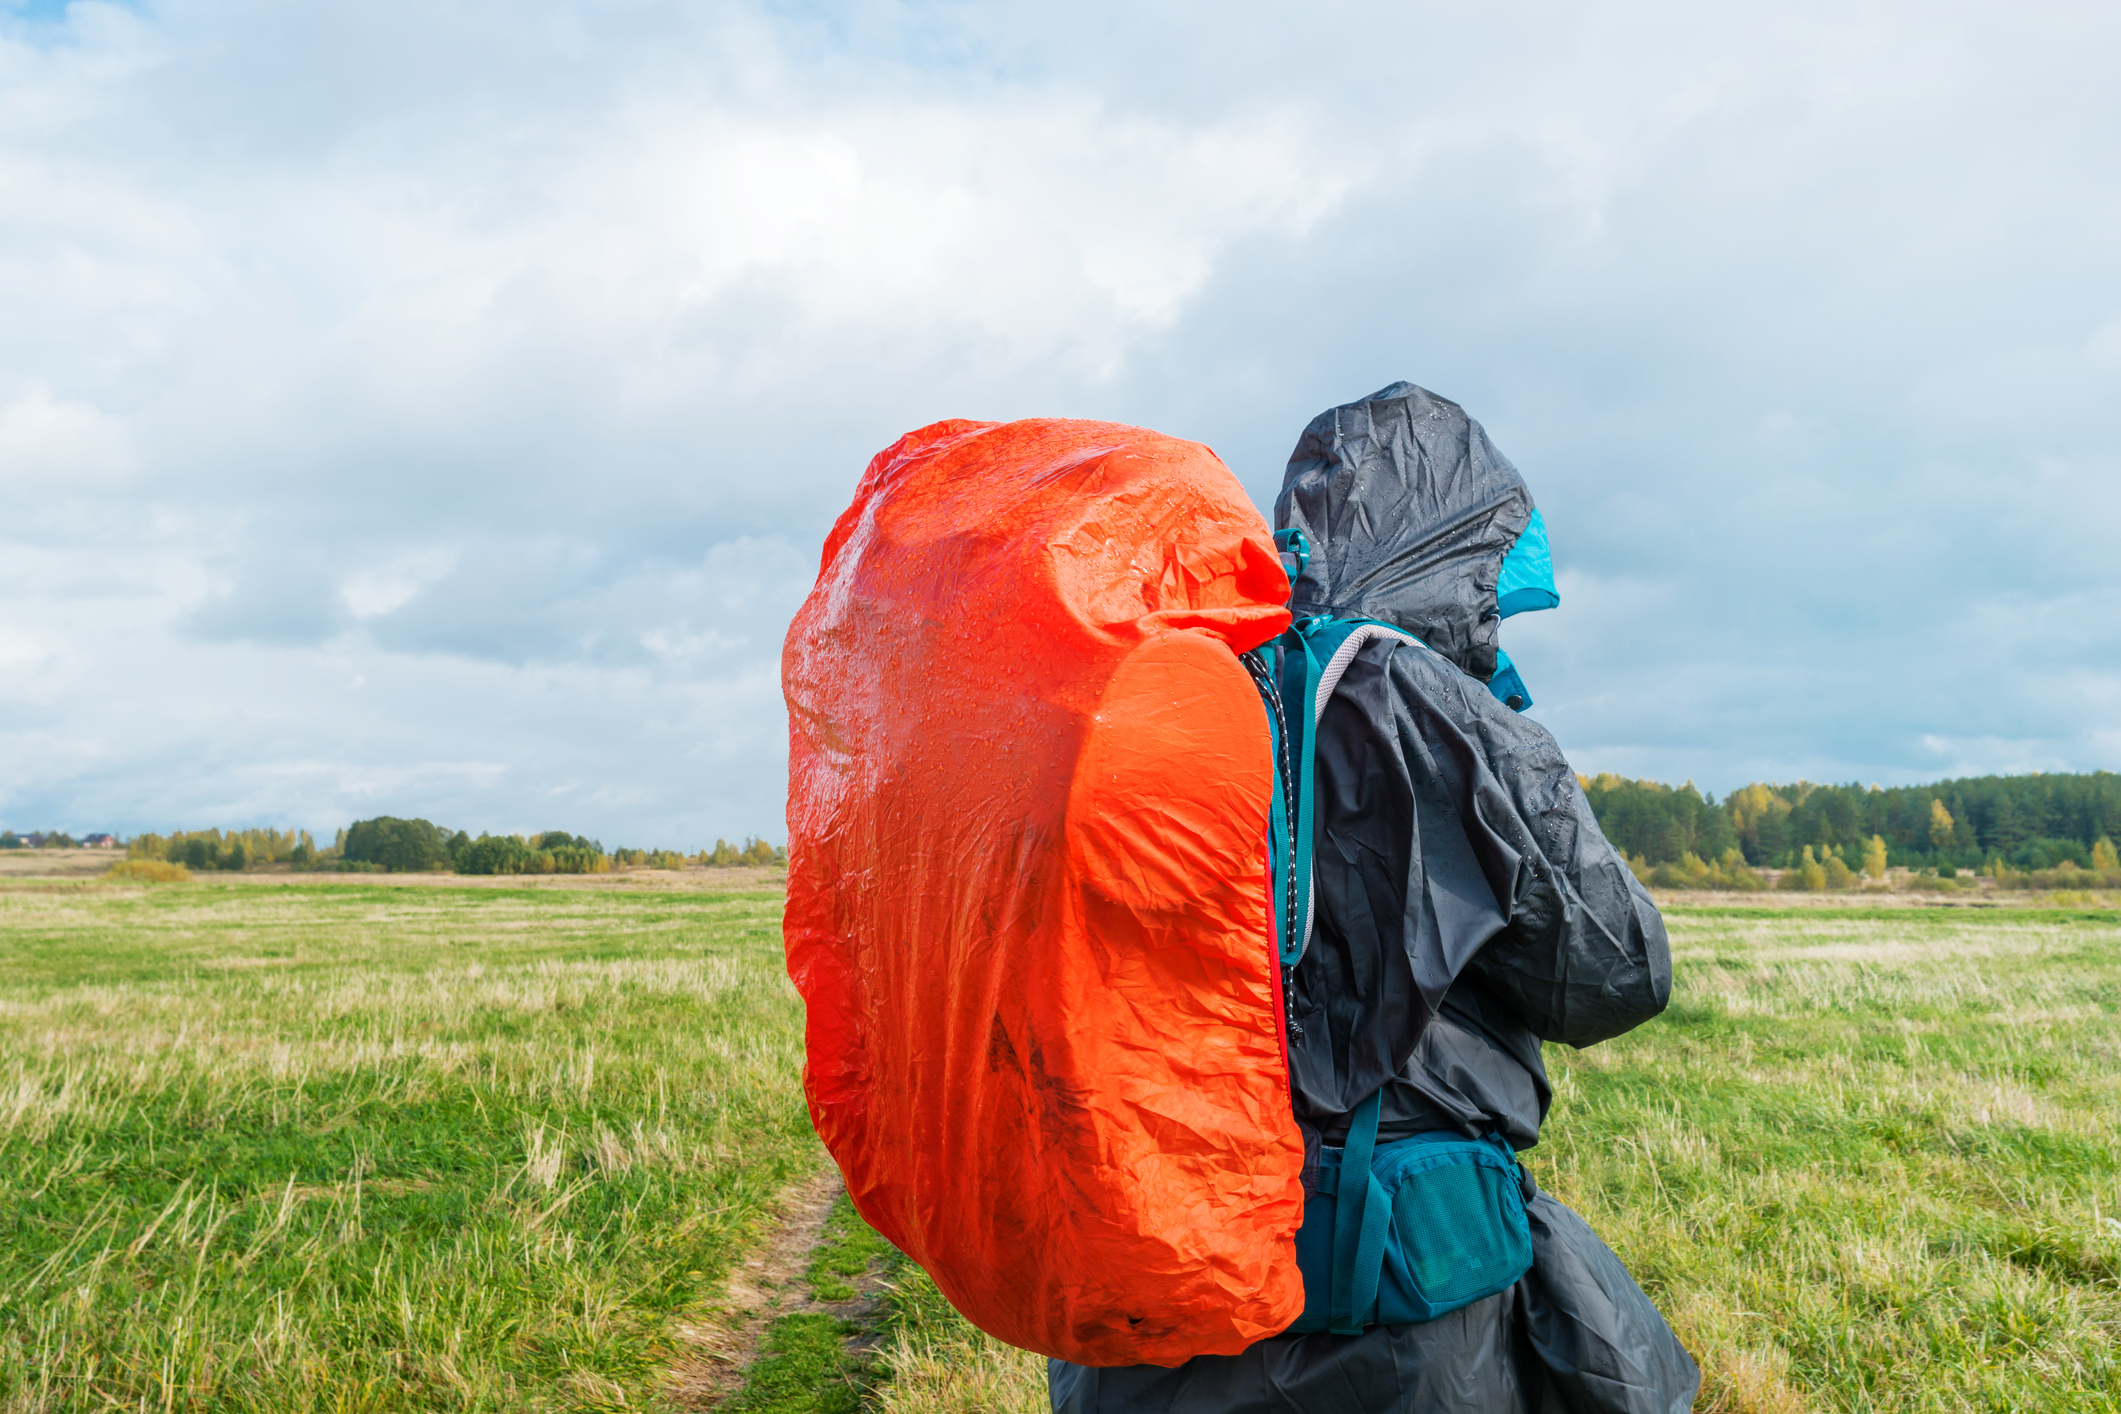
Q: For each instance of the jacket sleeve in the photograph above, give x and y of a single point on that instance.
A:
(1582, 955)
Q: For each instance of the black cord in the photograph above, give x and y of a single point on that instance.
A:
(1263, 679)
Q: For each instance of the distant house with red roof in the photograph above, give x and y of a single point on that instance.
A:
(99, 841)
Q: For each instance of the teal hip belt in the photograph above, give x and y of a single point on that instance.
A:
(1408, 1230)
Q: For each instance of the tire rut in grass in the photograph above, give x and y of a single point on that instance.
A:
(795, 1326)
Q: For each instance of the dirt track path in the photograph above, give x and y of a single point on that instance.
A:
(767, 1285)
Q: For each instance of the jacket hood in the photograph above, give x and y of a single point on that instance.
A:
(1414, 518)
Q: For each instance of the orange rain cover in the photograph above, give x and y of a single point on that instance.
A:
(1028, 894)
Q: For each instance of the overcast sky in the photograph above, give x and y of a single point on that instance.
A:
(436, 409)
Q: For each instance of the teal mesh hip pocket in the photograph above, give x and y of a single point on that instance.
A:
(1410, 1230)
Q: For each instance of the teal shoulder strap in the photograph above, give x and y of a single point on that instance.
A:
(1308, 658)
(1362, 1215)
(1313, 654)
(1281, 836)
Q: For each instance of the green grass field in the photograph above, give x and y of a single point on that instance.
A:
(1869, 1160)
(349, 1148)
(335, 1146)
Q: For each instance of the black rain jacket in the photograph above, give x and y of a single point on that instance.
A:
(1467, 909)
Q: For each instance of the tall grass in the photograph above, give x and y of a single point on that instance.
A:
(343, 1148)
(936, 1362)
(1868, 1161)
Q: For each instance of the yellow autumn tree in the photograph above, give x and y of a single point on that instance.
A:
(1874, 857)
(1941, 823)
(1749, 805)
(2103, 857)
(1808, 875)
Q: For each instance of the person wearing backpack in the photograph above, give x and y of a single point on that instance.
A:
(1452, 904)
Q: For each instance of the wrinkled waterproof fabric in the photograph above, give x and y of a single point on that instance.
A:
(1028, 889)
(1452, 839)
(1468, 908)
(1409, 510)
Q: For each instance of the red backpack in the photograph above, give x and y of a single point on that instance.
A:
(1028, 904)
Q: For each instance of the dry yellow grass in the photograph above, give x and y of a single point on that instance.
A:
(148, 871)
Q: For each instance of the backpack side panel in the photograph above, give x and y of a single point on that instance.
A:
(1028, 894)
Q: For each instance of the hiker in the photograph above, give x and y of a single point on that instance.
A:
(1465, 909)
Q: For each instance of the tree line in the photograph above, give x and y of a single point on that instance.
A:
(390, 845)
(2028, 824)
(2025, 823)
(40, 839)
(230, 849)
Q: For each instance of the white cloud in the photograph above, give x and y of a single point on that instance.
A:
(368, 593)
(19, 651)
(512, 360)
(44, 438)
